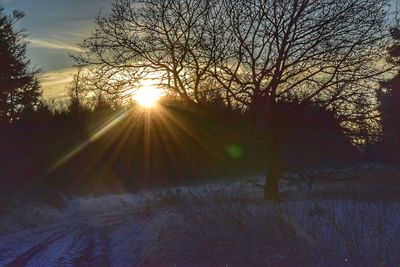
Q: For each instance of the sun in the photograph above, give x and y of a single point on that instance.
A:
(147, 96)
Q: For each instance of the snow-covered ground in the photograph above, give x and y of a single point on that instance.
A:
(224, 224)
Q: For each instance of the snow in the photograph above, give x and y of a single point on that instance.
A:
(221, 224)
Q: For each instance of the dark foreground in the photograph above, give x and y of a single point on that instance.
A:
(214, 225)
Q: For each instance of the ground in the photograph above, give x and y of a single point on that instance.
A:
(228, 223)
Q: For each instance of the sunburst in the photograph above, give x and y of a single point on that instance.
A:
(148, 95)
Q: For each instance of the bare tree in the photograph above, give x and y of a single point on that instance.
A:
(326, 52)
(256, 54)
(161, 37)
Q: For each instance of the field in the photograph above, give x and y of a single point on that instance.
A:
(353, 223)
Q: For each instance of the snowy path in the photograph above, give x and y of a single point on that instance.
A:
(202, 226)
(117, 239)
(89, 234)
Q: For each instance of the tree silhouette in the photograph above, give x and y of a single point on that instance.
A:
(169, 39)
(19, 87)
(389, 98)
(255, 54)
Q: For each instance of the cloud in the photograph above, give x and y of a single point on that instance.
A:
(54, 45)
(55, 83)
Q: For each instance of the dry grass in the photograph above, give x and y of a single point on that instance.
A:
(355, 223)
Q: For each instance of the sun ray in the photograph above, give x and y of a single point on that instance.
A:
(106, 127)
(174, 122)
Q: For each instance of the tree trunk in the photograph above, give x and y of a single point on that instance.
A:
(270, 123)
(273, 170)
(271, 189)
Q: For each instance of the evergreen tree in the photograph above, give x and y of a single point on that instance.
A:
(19, 87)
(389, 97)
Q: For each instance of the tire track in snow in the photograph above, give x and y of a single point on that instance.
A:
(81, 241)
(61, 250)
(24, 258)
(16, 244)
(95, 252)
(118, 238)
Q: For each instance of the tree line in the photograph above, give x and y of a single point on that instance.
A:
(293, 74)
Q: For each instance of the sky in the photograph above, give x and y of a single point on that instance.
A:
(55, 27)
